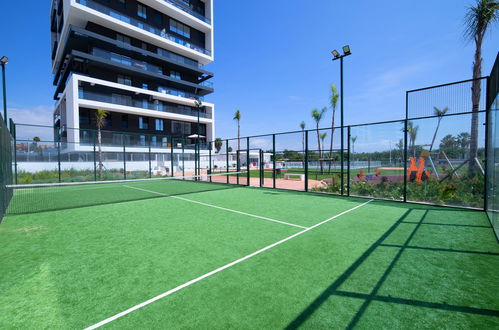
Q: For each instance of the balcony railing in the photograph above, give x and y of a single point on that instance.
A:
(122, 59)
(143, 104)
(188, 10)
(141, 25)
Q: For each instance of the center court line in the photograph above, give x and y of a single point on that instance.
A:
(218, 207)
(186, 284)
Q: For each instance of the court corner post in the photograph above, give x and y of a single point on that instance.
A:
(248, 176)
(348, 159)
(273, 161)
(405, 143)
(306, 160)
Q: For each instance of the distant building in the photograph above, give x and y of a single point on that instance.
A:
(142, 61)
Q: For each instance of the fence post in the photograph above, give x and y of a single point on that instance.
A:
(95, 156)
(405, 144)
(227, 159)
(348, 160)
(209, 159)
(306, 160)
(183, 157)
(149, 153)
(487, 132)
(124, 156)
(248, 176)
(15, 150)
(273, 161)
(238, 165)
(172, 140)
(59, 159)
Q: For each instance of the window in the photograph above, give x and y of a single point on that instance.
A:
(145, 86)
(180, 28)
(122, 4)
(175, 74)
(143, 123)
(179, 127)
(125, 80)
(143, 46)
(142, 140)
(108, 122)
(153, 141)
(124, 121)
(157, 18)
(121, 99)
(141, 11)
(123, 39)
(160, 125)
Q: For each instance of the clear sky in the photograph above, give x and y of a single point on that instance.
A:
(273, 62)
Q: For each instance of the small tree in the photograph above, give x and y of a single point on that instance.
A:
(322, 137)
(413, 133)
(333, 99)
(218, 144)
(317, 116)
(440, 114)
(100, 120)
(237, 116)
(354, 139)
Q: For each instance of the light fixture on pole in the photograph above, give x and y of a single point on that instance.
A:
(3, 61)
(338, 56)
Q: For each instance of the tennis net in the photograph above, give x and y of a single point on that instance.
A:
(33, 198)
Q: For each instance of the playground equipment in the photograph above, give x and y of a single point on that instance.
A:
(416, 172)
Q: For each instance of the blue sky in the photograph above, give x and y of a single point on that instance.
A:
(273, 58)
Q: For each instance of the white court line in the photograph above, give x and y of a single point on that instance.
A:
(180, 287)
(217, 207)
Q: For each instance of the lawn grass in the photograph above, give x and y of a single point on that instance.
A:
(383, 265)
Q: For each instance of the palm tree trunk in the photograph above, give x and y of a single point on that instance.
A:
(238, 136)
(435, 134)
(332, 139)
(475, 97)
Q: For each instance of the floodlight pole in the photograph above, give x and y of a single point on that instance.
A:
(4, 83)
(337, 56)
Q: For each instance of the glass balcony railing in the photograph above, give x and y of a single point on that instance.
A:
(179, 58)
(188, 10)
(141, 25)
(176, 92)
(127, 100)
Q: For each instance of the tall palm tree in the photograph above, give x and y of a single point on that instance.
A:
(100, 120)
(333, 99)
(302, 126)
(322, 136)
(478, 20)
(237, 116)
(440, 114)
(218, 144)
(413, 133)
(317, 116)
(464, 142)
(354, 139)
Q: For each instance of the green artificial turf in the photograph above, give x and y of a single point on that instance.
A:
(74, 267)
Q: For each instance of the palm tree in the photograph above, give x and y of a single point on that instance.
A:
(463, 140)
(237, 116)
(413, 133)
(317, 116)
(100, 120)
(333, 99)
(440, 113)
(477, 21)
(354, 139)
(302, 126)
(218, 144)
(322, 136)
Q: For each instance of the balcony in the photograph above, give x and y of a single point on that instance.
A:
(128, 101)
(188, 10)
(141, 25)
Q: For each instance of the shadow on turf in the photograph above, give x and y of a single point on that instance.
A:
(332, 290)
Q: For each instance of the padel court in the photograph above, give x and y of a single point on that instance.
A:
(189, 254)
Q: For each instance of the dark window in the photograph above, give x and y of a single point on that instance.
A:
(125, 80)
(123, 39)
(179, 127)
(122, 4)
(157, 18)
(160, 125)
(175, 74)
(108, 122)
(180, 28)
(124, 121)
(141, 11)
(143, 123)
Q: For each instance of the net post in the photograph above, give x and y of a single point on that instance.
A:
(348, 159)
(209, 159)
(248, 177)
(95, 156)
(262, 169)
(124, 156)
(227, 158)
(306, 160)
(172, 140)
(14, 134)
(149, 154)
(487, 145)
(405, 144)
(273, 161)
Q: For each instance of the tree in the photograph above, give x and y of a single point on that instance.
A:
(413, 133)
(478, 20)
(317, 116)
(218, 144)
(333, 99)
(100, 120)
(450, 146)
(440, 114)
(463, 139)
(322, 136)
(353, 139)
(237, 116)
